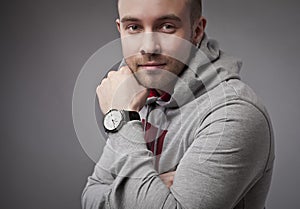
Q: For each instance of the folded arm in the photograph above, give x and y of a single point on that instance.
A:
(229, 154)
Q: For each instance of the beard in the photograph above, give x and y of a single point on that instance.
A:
(162, 76)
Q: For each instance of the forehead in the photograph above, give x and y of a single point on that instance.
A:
(149, 9)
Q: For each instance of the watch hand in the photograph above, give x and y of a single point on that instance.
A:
(112, 119)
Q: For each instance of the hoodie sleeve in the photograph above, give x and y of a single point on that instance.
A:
(99, 183)
(228, 156)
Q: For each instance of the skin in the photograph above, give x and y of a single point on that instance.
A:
(168, 178)
(154, 41)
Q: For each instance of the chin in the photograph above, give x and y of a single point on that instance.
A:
(150, 83)
(156, 81)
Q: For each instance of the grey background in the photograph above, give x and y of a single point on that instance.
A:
(44, 44)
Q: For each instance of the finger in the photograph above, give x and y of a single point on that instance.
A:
(111, 73)
(143, 94)
(139, 100)
(125, 69)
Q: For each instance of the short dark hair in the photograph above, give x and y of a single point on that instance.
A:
(195, 6)
(196, 9)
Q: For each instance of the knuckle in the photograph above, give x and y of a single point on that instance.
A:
(111, 73)
(122, 68)
(103, 81)
(98, 89)
(102, 85)
(125, 69)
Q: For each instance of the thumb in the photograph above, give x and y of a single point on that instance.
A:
(139, 99)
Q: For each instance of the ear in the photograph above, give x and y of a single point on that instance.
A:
(118, 25)
(198, 30)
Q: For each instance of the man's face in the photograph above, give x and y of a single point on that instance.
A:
(156, 38)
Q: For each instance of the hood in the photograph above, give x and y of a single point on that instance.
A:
(207, 68)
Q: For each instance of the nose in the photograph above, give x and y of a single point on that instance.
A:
(150, 44)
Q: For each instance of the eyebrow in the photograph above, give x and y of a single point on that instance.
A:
(170, 17)
(129, 19)
(164, 17)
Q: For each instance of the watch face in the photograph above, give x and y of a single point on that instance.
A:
(112, 120)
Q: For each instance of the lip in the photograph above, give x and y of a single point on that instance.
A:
(152, 66)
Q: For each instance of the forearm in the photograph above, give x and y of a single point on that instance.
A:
(94, 195)
(137, 184)
(99, 184)
(208, 176)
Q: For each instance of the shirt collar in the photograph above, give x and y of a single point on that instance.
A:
(164, 97)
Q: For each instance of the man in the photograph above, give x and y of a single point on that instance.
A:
(183, 130)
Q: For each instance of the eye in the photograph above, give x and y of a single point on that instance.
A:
(133, 28)
(168, 28)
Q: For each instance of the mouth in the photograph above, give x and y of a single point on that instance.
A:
(152, 66)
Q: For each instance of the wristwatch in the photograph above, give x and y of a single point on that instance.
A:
(114, 119)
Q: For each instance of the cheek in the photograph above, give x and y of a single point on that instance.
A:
(131, 45)
(131, 63)
(170, 45)
(177, 48)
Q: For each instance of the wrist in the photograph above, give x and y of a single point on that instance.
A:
(115, 119)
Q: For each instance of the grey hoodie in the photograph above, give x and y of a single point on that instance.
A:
(214, 132)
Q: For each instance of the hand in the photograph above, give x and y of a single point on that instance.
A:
(168, 178)
(121, 91)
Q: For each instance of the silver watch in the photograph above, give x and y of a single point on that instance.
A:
(114, 119)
